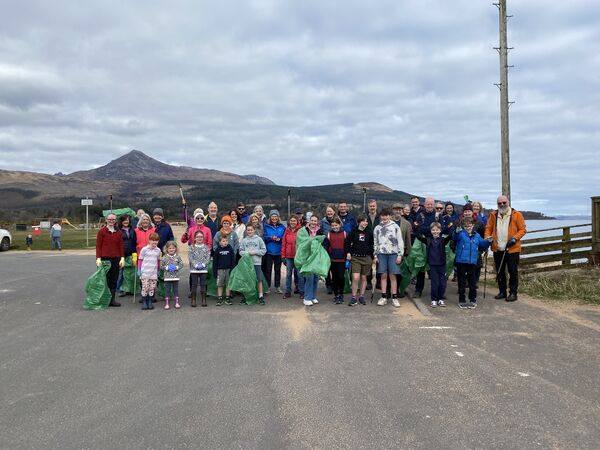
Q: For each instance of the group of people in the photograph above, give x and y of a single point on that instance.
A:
(377, 239)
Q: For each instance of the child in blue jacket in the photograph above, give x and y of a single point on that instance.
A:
(468, 245)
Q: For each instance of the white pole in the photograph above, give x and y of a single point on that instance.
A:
(87, 225)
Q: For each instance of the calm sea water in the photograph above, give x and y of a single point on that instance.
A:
(544, 224)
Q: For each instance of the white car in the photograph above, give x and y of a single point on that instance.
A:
(5, 240)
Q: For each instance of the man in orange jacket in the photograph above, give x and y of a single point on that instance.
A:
(506, 228)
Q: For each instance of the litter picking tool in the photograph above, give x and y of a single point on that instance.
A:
(184, 203)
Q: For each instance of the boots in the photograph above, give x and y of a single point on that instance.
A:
(150, 300)
(203, 296)
(193, 299)
(166, 302)
(146, 300)
(112, 298)
(177, 305)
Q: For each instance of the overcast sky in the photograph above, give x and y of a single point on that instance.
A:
(310, 92)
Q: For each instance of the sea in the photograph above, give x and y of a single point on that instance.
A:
(533, 225)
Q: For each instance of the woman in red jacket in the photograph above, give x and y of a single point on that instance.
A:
(143, 230)
(109, 247)
(288, 251)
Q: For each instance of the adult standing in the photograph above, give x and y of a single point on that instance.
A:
(128, 235)
(242, 213)
(239, 227)
(55, 235)
(299, 214)
(424, 220)
(413, 217)
(372, 216)
(505, 228)
(143, 230)
(212, 219)
(325, 225)
(348, 220)
(273, 237)
(478, 213)
(109, 247)
(162, 228)
(260, 213)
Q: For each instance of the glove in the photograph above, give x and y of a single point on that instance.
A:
(139, 272)
(98, 262)
(347, 264)
(184, 237)
(511, 242)
(121, 262)
(490, 238)
(171, 267)
(200, 266)
(458, 229)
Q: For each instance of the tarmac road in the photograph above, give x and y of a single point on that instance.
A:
(515, 376)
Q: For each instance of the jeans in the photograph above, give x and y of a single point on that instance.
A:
(311, 283)
(120, 279)
(273, 262)
(291, 270)
(55, 243)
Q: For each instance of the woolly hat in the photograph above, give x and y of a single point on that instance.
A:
(226, 218)
(198, 212)
(298, 211)
(274, 212)
(158, 212)
(468, 207)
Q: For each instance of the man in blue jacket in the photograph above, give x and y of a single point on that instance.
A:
(162, 228)
(348, 220)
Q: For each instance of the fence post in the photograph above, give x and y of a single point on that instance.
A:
(595, 253)
(566, 250)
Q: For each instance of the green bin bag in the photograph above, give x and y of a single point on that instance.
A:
(128, 276)
(160, 284)
(347, 282)
(97, 294)
(211, 281)
(242, 279)
(311, 257)
(416, 262)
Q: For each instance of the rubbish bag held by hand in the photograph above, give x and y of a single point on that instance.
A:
(311, 257)
(414, 263)
(242, 279)
(211, 281)
(128, 275)
(97, 294)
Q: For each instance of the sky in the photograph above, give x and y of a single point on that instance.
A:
(311, 92)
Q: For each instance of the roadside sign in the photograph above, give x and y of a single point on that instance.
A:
(86, 202)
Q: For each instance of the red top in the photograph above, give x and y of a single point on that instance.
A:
(288, 244)
(109, 244)
(141, 238)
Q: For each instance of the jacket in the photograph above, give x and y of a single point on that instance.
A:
(359, 243)
(435, 256)
(336, 245)
(165, 233)
(223, 258)
(109, 244)
(141, 238)
(166, 261)
(348, 222)
(199, 254)
(516, 229)
(273, 235)
(425, 219)
(129, 240)
(288, 244)
(255, 244)
(388, 239)
(467, 247)
(232, 239)
(406, 230)
(188, 236)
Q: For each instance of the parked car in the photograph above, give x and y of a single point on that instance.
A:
(5, 239)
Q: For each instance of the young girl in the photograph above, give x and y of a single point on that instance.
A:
(199, 256)
(148, 264)
(171, 265)
(359, 251)
(311, 281)
(288, 251)
(254, 246)
(336, 238)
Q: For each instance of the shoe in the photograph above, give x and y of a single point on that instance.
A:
(278, 290)
(315, 301)
(122, 294)
(296, 291)
(243, 301)
(307, 302)
(472, 305)
(463, 305)
(369, 286)
(382, 301)
(261, 300)
(511, 298)
(193, 303)
(339, 300)
(500, 295)
(228, 301)
(434, 304)
(287, 295)
(441, 303)
(352, 302)
(395, 302)
(268, 291)
(145, 305)
(301, 295)
(167, 303)
(177, 305)
(361, 300)
(219, 301)
(203, 297)
(417, 294)
(115, 303)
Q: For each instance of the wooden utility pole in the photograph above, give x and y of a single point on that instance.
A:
(504, 103)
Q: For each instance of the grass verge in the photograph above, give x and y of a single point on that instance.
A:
(71, 240)
(580, 285)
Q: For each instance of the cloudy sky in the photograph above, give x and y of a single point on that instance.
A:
(310, 92)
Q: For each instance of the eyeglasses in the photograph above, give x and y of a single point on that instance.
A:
(502, 203)
(439, 208)
(241, 208)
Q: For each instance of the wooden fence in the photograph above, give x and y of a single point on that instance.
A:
(540, 254)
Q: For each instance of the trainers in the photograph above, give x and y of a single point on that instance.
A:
(434, 304)
(278, 290)
(417, 294)
(315, 301)
(268, 291)
(228, 301)
(352, 302)
(219, 301)
(472, 305)
(500, 295)
(396, 302)
(463, 305)
(339, 300)
(243, 301)
(382, 301)
(261, 300)
(441, 303)
(307, 302)
(287, 295)
(361, 300)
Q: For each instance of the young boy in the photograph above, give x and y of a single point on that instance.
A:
(436, 258)
(29, 241)
(468, 244)
(254, 246)
(359, 251)
(223, 262)
(389, 248)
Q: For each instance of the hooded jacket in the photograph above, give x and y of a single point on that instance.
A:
(516, 229)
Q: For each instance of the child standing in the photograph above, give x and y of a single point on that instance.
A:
(29, 241)
(389, 248)
(336, 238)
(55, 235)
(359, 251)
(223, 262)
(468, 244)
(288, 251)
(254, 246)
(311, 281)
(436, 258)
(199, 256)
(171, 265)
(148, 265)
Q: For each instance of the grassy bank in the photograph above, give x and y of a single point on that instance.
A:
(579, 285)
(71, 240)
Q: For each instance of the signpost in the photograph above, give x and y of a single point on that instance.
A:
(87, 202)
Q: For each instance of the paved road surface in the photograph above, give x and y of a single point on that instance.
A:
(514, 376)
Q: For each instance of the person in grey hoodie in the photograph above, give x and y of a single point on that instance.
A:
(254, 246)
(389, 248)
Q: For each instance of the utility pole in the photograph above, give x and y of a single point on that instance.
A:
(504, 103)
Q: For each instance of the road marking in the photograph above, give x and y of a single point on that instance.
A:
(523, 374)
(38, 303)
(459, 354)
(436, 328)
(4, 291)
(453, 345)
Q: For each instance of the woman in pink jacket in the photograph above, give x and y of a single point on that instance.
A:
(288, 251)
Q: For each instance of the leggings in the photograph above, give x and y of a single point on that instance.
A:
(199, 279)
(148, 286)
(172, 289)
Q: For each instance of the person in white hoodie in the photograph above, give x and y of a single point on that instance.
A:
(254, 246)
(55, 235)
(389, 248)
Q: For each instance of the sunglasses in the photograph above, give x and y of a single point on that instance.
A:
(241, 208)
(502, 203)
(439, 208)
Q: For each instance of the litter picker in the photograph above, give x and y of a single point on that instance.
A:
(184, 203)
